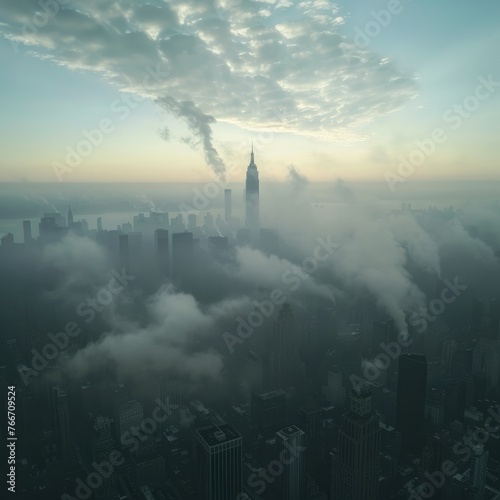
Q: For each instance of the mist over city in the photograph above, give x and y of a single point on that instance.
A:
(249, 250)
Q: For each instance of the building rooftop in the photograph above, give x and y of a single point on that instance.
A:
(215, 435)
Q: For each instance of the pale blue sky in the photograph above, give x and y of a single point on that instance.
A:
(349, 118)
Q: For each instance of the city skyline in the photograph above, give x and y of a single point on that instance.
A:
(250, 250)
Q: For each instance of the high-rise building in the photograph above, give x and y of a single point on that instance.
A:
(384, 332)
(253, 372)
(268, 411)
(99, 223)
(124, 248)
(228, 206)
(60, 422)
(7, 240)
(252, 222)
(162, 250)
(486, 362)
(191, 222)
(290, 447)
(284, 354)
(411, 395)
(219, 462)
(218, 246)
(102, 445)
(478, 470)
(356, 464)
(70, 217)
(27, 231)
(182, 256)
(127, 415)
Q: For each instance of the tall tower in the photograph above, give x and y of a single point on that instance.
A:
(284, 354)
(182, 257)
(412, 382)
(219, 462)
(252, 198)
(356, 465)
(27, 231)
(162, 250)
(478, 470)
(60, 422)
(102, 446)
(290, 446)
(70, 217)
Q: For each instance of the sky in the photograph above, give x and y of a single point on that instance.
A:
(175, 91)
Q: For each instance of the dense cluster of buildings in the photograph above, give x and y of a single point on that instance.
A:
(325, 404)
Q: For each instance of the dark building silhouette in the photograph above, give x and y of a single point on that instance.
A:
(162, 251)
(27, 231)
(102, 446)
(218, 462)
(7, 239)
(268, 411)
(51, 228)
(252, 218)
(70, 217)
(124, 248)
(290, 447)
(355, 467)
(411, 396)
(284, 355)
(61, 422)
(218, 246)
(182, 256)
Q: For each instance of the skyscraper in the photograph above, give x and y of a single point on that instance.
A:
(102, 446)
(182, 256)
(219, 462)
(412, 381)
(27, 231)
(356, 464)
(268, 411)
(478, 470)
(127, 415)
(284, 362)
(124, 248)
(70, 217)
(61, 422)
(162, 250)
(252, 199)
(290, 447)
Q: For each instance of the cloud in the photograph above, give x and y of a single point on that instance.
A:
(254, 267)
(167, 343)
(256, 64)
(78, 265)
(199, 124)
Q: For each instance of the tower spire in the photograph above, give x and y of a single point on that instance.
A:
(252, 161)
